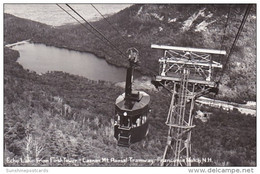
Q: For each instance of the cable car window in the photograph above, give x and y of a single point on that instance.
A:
(144, 118)
(138, 121)
(125, 121)
(117, 118)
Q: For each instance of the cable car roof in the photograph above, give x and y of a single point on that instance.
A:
(139, 107)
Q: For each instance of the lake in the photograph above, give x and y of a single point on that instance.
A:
(41, 59)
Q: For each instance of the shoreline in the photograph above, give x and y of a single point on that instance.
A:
(139, 73)
(202, 100)
(74, 38)
(10, 45)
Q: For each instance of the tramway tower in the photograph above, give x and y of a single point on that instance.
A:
(188, 74)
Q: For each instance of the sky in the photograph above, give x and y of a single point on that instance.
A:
(53, 15)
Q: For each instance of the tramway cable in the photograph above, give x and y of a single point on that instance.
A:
(111, 25)
(189, 83)
(150, 70)
(104, 36)
(225, 29)
(132, 107)
(110, 43)
(235, 40)
(222, 41)
(119, 51)
(82, 25)
(79, 22)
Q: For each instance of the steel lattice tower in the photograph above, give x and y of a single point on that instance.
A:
(188, 74)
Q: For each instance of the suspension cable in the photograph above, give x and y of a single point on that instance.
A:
(79, 22)
(225, 29)
(151, 71)
(222, 41)
(82, 24)
(119, 51)
(235, 40)
(111, 25)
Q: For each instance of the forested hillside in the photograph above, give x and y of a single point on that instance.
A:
(201, 26)
(56, 116)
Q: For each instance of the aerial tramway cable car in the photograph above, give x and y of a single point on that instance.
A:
(131, 109)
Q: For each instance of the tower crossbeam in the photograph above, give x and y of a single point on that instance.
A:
(190, 70)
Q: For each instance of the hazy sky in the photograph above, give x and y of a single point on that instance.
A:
(51, 14)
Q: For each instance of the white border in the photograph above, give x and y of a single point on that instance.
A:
(124, 170)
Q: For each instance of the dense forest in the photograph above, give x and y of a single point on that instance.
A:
(37, 127)
(58, 119)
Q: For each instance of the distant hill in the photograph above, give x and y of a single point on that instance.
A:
(200, 26)
(19, 29)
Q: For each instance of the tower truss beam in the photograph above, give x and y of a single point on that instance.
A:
(187, 49)
(188, 73)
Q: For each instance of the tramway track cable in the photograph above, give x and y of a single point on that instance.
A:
(235, 40)
(112, 26)
(99, 32)
(223, 37)
(240, 29)
(79, 22)
(82, 24)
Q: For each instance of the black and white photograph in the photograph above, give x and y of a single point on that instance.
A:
(165, 85)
